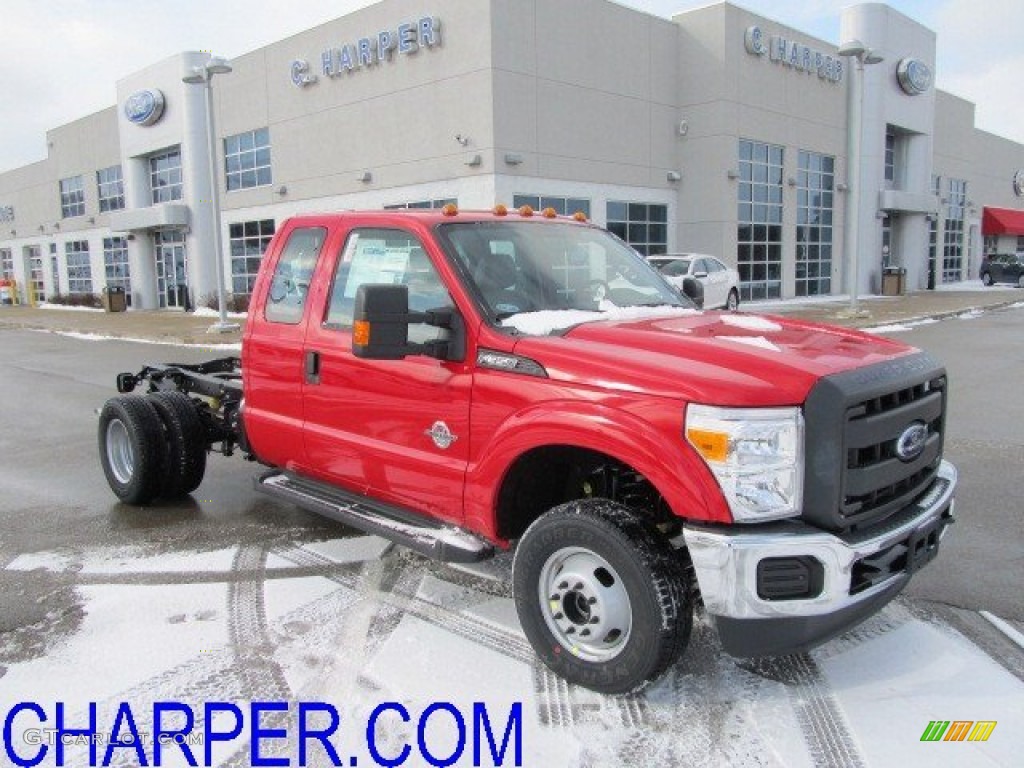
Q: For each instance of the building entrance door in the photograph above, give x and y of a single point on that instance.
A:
(171, 269)
(37, 290)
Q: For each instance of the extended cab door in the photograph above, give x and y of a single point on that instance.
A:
(272, 356)
(397, 430)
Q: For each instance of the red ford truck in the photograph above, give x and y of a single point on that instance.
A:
(463, 383)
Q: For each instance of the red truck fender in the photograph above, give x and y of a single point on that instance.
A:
(670, 465)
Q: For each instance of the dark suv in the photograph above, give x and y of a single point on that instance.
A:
(1003, 268)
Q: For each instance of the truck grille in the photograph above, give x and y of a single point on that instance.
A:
(891, 422)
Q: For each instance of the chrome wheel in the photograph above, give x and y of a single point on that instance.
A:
(585, 604)
(120, 455)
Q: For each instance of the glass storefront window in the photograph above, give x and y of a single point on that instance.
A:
(759, 220)
(643, 225)
(247, 160)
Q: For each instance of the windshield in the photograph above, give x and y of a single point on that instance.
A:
(520, 267)
(675, 268)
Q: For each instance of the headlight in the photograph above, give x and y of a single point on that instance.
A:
(756, 454)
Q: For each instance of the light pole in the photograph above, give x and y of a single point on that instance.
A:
(856, 50)
(204, 75)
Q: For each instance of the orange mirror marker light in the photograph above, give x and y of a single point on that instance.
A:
(361, 333)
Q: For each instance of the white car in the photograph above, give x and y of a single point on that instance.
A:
(721, 283)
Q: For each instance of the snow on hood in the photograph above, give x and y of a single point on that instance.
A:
(751, 323)
(548, 321)
(753, 341)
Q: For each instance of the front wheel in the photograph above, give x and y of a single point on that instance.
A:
(1020, 281)
(601, 596)
(986, 278)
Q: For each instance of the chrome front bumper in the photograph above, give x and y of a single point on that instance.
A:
(725, 561)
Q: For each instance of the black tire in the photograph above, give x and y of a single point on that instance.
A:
(986, 278)
(133, 449)
(1020, 281)
(733, 302)
(186, 443)
(587, 554)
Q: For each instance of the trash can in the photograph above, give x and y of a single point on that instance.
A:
(114, 299)
(894, 281)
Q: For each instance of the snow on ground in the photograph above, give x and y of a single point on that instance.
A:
(901, 327)
(229, 347)
(67, 307)
(365, 623)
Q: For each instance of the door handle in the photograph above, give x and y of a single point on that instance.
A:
(312, 366)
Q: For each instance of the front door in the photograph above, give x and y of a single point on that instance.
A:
(171, 269)
(397, 430)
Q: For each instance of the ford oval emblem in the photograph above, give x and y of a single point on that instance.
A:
(910, 443)
(914, 76)
(144, 107)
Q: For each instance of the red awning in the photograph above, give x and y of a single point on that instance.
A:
(1002, 221)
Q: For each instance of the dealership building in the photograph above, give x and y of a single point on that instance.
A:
(717, 131)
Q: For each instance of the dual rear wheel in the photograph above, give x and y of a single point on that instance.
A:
(152, 446)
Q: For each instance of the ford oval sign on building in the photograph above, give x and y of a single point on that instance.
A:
(914, 76)
(144, 107)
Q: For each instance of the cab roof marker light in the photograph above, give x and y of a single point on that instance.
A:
(501, 210)
(549, 213)
(450, 210)
(580, 216)
(526, 211)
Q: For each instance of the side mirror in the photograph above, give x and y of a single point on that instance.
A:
(381, 320)
(380, 328)
(693, 290)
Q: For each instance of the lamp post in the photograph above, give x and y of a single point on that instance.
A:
(856, 50)
(204, 75)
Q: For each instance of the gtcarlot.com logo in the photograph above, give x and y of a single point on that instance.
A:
(958, 730)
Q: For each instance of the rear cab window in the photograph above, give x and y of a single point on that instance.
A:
(289, 286)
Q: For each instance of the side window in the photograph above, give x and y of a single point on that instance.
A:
(289, 286)
(392, 257)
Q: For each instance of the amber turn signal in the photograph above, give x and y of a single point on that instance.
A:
(361, 333)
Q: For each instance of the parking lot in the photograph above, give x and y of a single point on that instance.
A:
(232, 598)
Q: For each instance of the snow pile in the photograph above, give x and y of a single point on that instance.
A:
(67, 307)
(902, 327)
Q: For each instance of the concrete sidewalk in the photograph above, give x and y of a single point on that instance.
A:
(170, 326)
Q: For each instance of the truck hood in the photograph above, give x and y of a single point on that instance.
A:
(721, 357)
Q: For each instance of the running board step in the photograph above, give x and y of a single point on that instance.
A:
(440, 542)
